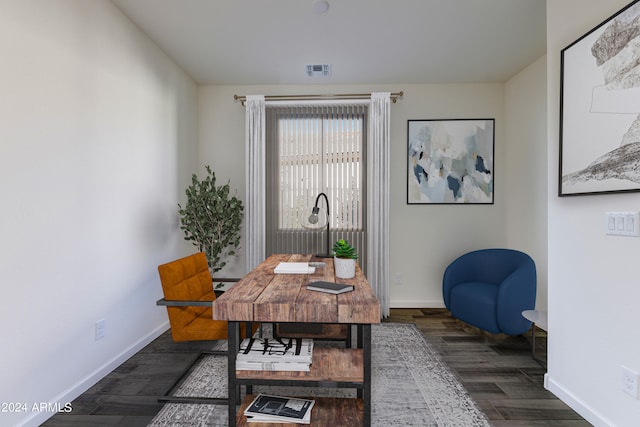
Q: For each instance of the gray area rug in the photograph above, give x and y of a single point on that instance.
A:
(411, 386)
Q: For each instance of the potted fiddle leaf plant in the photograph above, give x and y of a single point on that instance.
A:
(344, 258)
(211, 219)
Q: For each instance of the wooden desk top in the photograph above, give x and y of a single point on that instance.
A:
(263, 296)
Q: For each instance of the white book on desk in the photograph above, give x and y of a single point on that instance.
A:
(294, 268)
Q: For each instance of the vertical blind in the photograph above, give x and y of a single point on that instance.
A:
(312, 149)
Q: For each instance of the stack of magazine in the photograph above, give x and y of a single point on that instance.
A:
(275, 354)
(279, 409)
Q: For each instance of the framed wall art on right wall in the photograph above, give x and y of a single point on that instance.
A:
(600, 108)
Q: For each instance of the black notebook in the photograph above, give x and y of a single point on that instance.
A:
(330, 287)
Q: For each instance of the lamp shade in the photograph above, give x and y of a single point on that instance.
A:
(317, 218)
(313, 219)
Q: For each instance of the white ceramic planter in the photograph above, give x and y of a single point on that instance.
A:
(345, 268)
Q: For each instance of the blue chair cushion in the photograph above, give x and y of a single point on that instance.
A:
(476, 304)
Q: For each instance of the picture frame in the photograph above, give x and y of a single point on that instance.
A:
(600, 108)
(450, 161)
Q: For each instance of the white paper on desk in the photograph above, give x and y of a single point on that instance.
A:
(294, 268)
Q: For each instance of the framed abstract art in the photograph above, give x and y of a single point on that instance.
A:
(450, 161)
(600, 108)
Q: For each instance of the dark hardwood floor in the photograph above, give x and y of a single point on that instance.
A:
(498, 372)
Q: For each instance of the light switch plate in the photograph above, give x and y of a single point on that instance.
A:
(622, 224)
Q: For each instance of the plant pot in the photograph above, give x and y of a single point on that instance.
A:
(345, 267)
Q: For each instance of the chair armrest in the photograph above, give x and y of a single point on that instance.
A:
(196, 303)
(183, 303)
(516, 293)
(222, 280)
(461, 270)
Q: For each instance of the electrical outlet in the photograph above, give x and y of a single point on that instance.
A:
(101, 326)
(398, 279)
(630, 382)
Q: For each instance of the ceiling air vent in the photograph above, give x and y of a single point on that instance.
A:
(318, 70)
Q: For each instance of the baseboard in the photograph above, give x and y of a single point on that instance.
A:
(83, 385)
(416, 304)
(585, 411)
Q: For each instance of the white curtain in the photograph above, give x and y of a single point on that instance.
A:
(255, 180)
(378, 188)
(378, 197)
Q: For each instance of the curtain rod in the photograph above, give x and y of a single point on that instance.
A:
(242, 98)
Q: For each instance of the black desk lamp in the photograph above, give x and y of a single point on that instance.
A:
(313, 219)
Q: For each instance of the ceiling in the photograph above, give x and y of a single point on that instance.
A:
(255, 42)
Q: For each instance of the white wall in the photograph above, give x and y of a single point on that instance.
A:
(526, 154)
(97, 142)
(424, 238)
(593, 279)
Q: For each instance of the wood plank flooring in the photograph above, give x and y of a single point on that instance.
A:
(498, 372)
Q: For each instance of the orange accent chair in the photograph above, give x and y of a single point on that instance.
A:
(188, 296)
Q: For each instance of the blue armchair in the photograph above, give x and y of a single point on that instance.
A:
(490, 288)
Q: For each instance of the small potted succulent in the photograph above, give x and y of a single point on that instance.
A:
(344, 259)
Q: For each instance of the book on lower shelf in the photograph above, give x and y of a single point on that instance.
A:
(255, 365)
(275, 354)
(279, 409)
(329, 287)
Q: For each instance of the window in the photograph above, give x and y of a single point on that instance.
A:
(314, 149)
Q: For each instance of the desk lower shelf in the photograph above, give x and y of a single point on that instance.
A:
(327, 412)
(329, 365)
